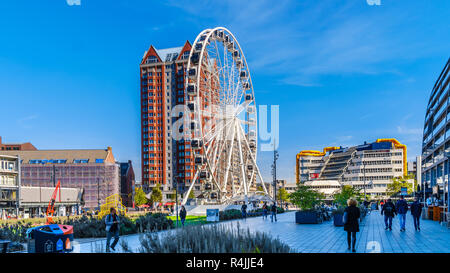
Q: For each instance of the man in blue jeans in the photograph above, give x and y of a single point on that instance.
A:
(274, 212)
(112, 228)
(388, 211)
(402, 208)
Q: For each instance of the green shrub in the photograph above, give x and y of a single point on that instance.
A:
(153, 222)
(15, 233)
(230, 214)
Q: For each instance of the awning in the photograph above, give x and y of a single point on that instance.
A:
(170, 203)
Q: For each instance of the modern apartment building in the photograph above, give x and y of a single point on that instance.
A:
(95, 172)
(9, 185)
(165, 161)
(16, 146)
(370, 165)
(436, 136)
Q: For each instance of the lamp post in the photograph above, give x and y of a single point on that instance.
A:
(274, 172)
(446, 186)
(364, 168)
(176, 199)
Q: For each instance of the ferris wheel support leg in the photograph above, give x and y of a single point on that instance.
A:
(229, 159)
(186, 196)
(254, 162)
(241, 159)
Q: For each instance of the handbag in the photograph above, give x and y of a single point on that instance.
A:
(345, 218)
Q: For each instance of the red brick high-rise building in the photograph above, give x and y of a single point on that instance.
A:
(164, 160)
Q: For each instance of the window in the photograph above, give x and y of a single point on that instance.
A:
(80, 161)
(99, 160)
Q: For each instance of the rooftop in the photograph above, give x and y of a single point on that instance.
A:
(64, 156)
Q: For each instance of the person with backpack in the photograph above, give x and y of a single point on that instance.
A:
(351, 223)
(416, 211)
(244, 210)
(265, 210)
(183, 215)
(274, 212)
(112, 222)
(402, 208)
(389, 212)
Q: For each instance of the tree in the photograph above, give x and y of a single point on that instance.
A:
(346, 193)
(191, 195)
(139, 197)
(156, 194)
(260, 189)
(282, 195)
(305, 198)
(397, 183)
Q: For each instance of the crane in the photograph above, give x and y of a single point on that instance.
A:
(51, 203)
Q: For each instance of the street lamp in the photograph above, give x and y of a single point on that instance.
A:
(446, 186)
(176, 199)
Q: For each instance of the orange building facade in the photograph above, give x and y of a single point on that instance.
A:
(164, 161)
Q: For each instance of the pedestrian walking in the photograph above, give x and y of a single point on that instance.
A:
(183, 215)
(265, 210)
(351, 223)
(437, 202)
(244, 210)
(112, 229)
(389, 212)
(274, 212)
(416, 211)
(402, 208)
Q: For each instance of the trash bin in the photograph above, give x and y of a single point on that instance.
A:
(50, 238)
(4, 246)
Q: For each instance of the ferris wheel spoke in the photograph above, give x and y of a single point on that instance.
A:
(247, 146)
(224, 143)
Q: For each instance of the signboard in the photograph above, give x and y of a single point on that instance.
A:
(212, 215)
(404, 191)
(313, 175)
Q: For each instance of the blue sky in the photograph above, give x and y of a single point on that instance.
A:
(342, 72)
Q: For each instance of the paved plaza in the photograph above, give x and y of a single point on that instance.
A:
(326, 238)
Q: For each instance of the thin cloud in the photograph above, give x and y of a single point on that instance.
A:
(27, 122)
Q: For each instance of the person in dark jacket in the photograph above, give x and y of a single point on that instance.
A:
(273, 209)
(416, 211)
(389, 212)
(402, 208)
(244, 210)
(351, 225)
(112, 222)
(265, 210)
(183, 215)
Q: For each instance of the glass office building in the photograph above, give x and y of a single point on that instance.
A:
(436, 136)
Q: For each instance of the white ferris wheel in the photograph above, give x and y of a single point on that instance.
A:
(222, 120)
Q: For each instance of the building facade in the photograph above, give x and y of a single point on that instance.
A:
(9, 186)
(436, 137)
(368, 166)
(16, 146)
(165, 161)
(95, 172)
(127, 181)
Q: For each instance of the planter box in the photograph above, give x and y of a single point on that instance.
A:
(306, 217)
(338, 220)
